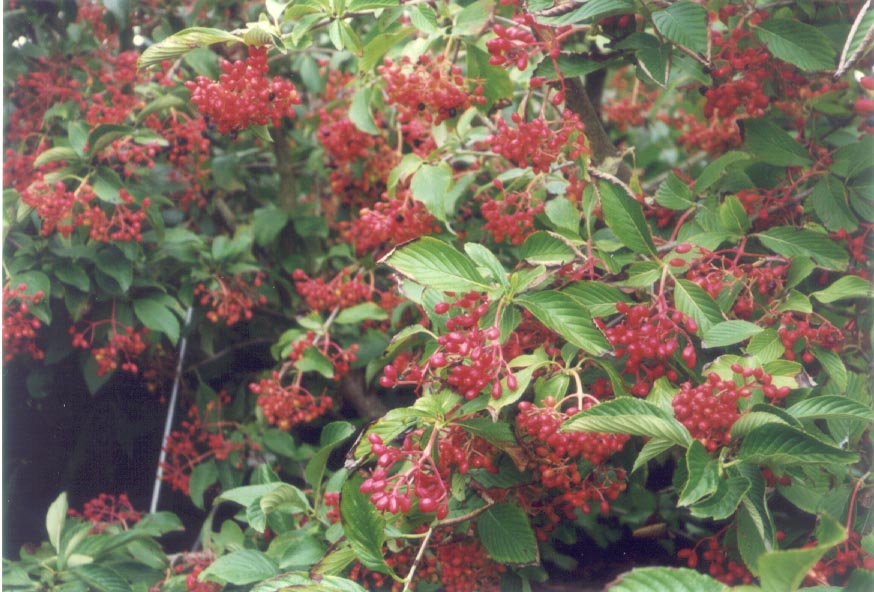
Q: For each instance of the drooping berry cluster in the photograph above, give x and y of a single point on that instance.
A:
(390, 223)
(720, 562)
(461, 451)
(465, 566)
(124, 345)
(341, 291)
(511, 217)
(244, 96)
(837, 566)
(798, 335)
(199, 438)
(19, 324)
(232, 299)
(417, 476)
(708, 410)
(105, 510)
(540, 143)
(471, 355)
(428, 89)
(286, 406)
(648, 337)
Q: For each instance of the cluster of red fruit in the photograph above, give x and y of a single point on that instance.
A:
(19, 324)
(419, 477)
(648, 337)
(125, 345)
(510, 218)
(796, 327)
(389, 223)
(233, 299)
(708, 410)
(199, 438)
(341, 291)
(105, 510)
(244, 95)
(539, 143)
(428, 89)
(835, 569)
(286, 406)
(721, 563)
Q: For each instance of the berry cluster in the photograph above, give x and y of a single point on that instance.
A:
(342, 291)
(835, 569)
(19, 325)
(512, 46)
(125, 345)
(796, 328)
(343, 142)
(719, 561)
(629, 108)
(188, 151)
(341, 359)
(472, 355)
(419, 477)
(540, 143)
(511, 217)
(233, 299)
(199, 438)
(287, 406)
(390, 223)
(244, 95)
(427, 89)
(710, 409)
(105, 510)
(648, 338)
(460, 450)
(465, 566)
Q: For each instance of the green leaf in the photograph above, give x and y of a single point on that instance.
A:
(834, 365)
(284, 496)
(55, 154)
(752, 420)
(485, 258)
(498, 433)
(703, 475)
(724, 502)
(691, 299)
(772, 145)
(624, 216)
(674, 193)
(332, 436)
(713, 171)
(429, 185)
(803, 242)
(435, 264)
(829, 201)
(782, 571)
(377, 47)
(246, 494)
(752, 540)
(593, 10)
(496, 81)
(74, 276)
(55, 520)
(733, 216)
(242, 567)
(363, 526)
(599, 298)
(796, 301)
(101, 577)
(105, 134)
(852, 159)
(767, 346)
(729, 333)
(777, 444)
(844, 288)
(666, 579)
(567, 317)
(542, 248)
(359, 110)
(627, 415)
(650, 450)
(313, 360)
(155, 315)
(684, 23)
(424, 18)
(564, 215)
(366, 311)
(798, 43)
(506, 534)
(268, 223)
(202, 477)
(831, 407)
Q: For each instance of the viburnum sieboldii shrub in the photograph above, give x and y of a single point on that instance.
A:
(569, 273)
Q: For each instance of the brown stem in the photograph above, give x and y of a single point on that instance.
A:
(579, 102)
(352, 389)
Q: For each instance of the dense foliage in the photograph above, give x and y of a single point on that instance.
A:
(569, 270)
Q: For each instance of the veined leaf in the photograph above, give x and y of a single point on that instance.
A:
(567, 317)
(674, 194)
(798, 43)
(429, 185)
(772, 145)
(729, 333)
(776, 444)
(435, 264)
(785, 570)
(692, 300)
(543, 248)
(666, 579)
(846, 287)
(628, 415)
(245, 566)
(831, 407)
(624, 216)
(507, 535)
(803, 242)
(702, 475)
(599, 298)
(363, 527)
(685, 23)
(724, 502)
(181, 43)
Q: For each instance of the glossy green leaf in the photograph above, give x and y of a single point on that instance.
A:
(363, 526)
(703, 475)
(804, 242)
(486, 259)
(102, 578)
(202, 477)
(624, 215)
(155, 315)
(567, 317)
(845, 288)
(798, 43)
(56, 518)
(831, 407)
(650, 450)
(599, 298)
(777, 444)
(685, 23)
(542, 248)
(772, 145)
(366, 311)
(714, 171)
(783, 571)
(729, 333)
(333, 434)
(674, 193)
(666, 579)
(628, 415)
(691, 299)
(181, 43)
(429, 185)
(435, 264)
(507, 535)
(724, 502)
(242, 567)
